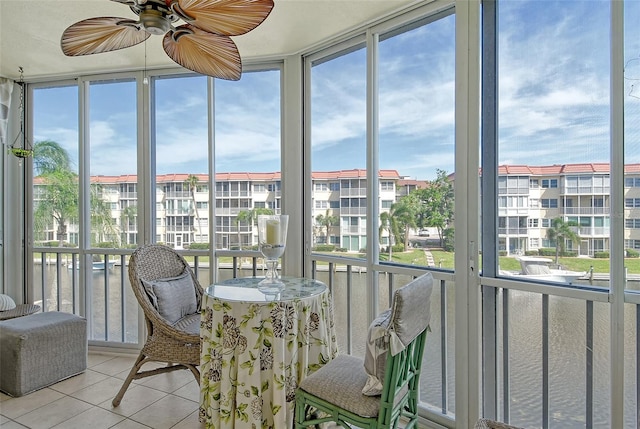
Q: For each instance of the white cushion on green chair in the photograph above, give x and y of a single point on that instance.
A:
(173, 297)
(375, 358)
(340, 382)
(395, 328)
(410, 312)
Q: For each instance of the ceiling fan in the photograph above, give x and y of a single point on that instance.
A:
(202, 44)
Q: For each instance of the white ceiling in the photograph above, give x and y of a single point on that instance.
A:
(30, 33)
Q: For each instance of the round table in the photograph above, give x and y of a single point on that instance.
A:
(257, 348)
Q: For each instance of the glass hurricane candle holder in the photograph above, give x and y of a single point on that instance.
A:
(272, 238)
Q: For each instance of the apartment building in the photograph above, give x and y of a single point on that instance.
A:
(529, 198)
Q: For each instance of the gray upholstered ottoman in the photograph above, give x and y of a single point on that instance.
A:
(41, 349)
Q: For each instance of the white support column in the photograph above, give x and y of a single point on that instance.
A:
(467, 284)
(13, 210)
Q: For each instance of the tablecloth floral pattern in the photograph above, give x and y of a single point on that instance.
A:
(255, 354)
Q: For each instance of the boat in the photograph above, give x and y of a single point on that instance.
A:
(97, 265)
(537, 268)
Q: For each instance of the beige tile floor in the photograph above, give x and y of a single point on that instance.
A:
(162, 401)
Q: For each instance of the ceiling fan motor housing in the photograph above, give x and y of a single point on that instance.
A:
(155, 22)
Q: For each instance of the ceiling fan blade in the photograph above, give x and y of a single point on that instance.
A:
(206, 53)
(226, 17)
(97, 35)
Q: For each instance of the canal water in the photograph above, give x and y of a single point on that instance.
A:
(567, 342)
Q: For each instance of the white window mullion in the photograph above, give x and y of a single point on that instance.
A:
(373, 210)
(617, 280)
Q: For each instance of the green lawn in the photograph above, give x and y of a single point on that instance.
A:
(509, 263)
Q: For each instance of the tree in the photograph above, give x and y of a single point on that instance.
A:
(243, 216)
(436, 204)
(127, 215)
(326, 221)
(192, 183)
(404, 214)
(59, 200)
(250, 217)
(560, 232)
(49, 156)
(59, 195)
(388, 223)
(103, 226)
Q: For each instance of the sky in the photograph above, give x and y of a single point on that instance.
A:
(554, 98)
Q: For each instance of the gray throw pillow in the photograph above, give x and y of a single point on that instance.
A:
(173, 297)
(375, 358)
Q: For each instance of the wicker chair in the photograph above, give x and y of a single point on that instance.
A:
(335, 392)
(491, 424)
(176, 343)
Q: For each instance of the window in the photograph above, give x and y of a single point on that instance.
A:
(334, 204)
(416, 98)
(386, 186)
(631, 203)
(533, 223)
(513, 185)
(549, 203)
(632, 182)
(632, 223)
(338, 91)
(321, 187)
(534, 183)
(53, 107)
(386, 204)
(321, 204)
(549, 183)
(259, 188)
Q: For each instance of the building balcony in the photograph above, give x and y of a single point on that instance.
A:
(353, 192)
(353, 211)
(587, 210)
(513, 231)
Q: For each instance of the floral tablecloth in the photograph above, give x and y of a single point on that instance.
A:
(255, 353)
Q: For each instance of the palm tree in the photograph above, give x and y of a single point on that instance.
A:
(49, 156)
(127, 215)
(388, 223)
(103, 226)
(326, 221)
(243, 216)
(192, 183)
(404, 213)
(251, 217)
(560, 232)
(59, 198)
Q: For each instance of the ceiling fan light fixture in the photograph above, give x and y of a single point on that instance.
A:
(155, 22)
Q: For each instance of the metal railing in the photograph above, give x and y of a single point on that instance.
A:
(530, 366)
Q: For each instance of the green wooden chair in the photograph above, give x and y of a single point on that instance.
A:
(334, 393)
